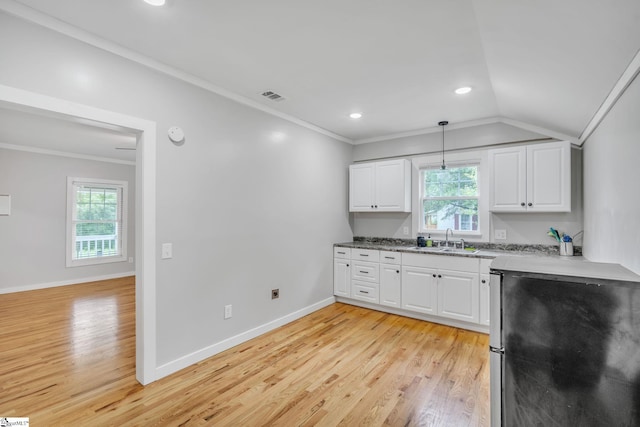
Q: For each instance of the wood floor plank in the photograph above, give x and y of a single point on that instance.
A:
(71, 361)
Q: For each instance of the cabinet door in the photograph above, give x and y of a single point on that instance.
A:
(342, 277)
(361, 187)
(549, 177)
(484, 299)
(390, 292)
(419, 289)
(393, 186)
(508, 179)
(458, 295)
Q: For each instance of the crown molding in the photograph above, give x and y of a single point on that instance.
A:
(627, 77)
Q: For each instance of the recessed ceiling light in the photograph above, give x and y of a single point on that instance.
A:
(156, 2)
(355, 115)
(463, 90)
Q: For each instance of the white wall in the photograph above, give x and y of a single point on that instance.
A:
(33, 244)
(522, 228)
(611, 185)
(250, 201)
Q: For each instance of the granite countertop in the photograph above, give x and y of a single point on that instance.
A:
(483, 250)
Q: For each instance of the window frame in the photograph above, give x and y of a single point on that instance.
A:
(122, 186)
(472, 157)
(424, 197)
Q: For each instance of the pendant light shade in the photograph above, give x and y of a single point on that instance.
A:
(443, 124)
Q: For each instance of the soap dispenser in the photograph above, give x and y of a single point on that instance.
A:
(429, 241)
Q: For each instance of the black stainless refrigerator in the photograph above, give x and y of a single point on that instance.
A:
(564, 343)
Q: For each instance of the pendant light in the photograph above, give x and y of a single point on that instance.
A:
(443, 124)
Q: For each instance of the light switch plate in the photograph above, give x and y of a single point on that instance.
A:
(5, 204)
(500, 234)
(167, 251)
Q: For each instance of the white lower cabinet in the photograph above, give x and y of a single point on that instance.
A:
(485, 269)
(342, 271)
(484, 299)
(342, 277)
(419, 289)
(448, 287)
(390, 291)
(458, 295)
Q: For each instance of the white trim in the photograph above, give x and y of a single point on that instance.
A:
(619, 88)
(64, 154)
(477, 156)
(541, 130)
(211, 350)
(460, 125)
(44, 20)
(471, 123)
(78, 281)
(145, 207)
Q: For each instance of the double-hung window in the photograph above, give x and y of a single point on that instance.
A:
(450, 198)
(96, 221)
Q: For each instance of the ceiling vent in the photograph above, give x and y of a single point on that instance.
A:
(273, 96)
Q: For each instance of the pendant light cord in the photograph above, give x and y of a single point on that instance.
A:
(443, 124)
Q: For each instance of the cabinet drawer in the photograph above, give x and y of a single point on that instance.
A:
(365, 292)
(342, 252)
(365, 255)
(365, 271)
(388, 257)
(444, 262)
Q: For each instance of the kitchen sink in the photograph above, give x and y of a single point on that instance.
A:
(458, 251)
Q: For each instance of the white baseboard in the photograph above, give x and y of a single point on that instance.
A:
(198, 356)
(65, 282)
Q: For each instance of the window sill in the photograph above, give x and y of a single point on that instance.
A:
(96, 261)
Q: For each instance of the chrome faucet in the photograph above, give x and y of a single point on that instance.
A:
(446, 237)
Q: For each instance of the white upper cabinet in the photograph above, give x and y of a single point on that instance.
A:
(533, 178)
(380, 186)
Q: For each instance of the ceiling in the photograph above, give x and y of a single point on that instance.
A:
(48, 133)
(543, 63)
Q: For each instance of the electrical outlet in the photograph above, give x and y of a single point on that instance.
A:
(275, 293)
(228, 311)
(500, 234)
(405, 231)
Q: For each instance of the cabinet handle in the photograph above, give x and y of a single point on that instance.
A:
(347, 265)
(371, 206)
(439, 276)
(390, 257)
(364, 292)
(522, 204)
(434, 275)
(530, 204)
(376, 206)
(364, 255)
(364, 272)
(398, 271)
(484, 281)
(342, 253)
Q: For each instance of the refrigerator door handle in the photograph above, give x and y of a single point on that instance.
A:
(495, 311)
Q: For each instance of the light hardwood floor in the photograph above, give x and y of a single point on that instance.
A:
(67, 358)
